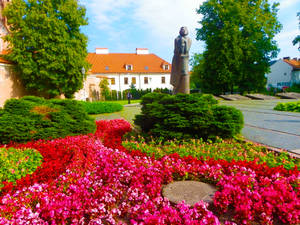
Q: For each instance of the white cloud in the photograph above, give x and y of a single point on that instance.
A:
(105, 12)
(164, 18)
(288, 3)
(159, 20)
(284, 40)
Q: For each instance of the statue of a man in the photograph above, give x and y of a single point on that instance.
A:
(180, 78)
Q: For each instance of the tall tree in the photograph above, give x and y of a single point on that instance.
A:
(239, 43)
(47, 46)
(197, 72)
(297, 39)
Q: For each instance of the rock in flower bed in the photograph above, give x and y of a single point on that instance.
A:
(102, 185)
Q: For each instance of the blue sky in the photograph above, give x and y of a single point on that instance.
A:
(124, 25)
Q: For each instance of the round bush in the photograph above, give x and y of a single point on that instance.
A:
(184, 116)
(32, 118)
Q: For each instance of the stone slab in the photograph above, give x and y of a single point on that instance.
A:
(289, 95)
(260, 97)
(296, 151)
(234, 97)
(189, 191)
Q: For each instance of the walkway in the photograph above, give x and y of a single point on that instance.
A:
(267, 126)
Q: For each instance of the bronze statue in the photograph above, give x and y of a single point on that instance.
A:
(180, 78)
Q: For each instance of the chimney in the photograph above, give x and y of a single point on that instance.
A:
(287, 58)
(142, 51)
(102, 51)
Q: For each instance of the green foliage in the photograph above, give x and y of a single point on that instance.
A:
(17, 163)
(32, 118)
(101, 107)
(47, 46)
(231, 149)
(297, 39)
(239, 44)
(289, 106)
(197, 73)
(294, 88)
(104, 89)
(185, 116)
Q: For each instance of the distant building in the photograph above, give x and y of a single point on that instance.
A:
(284, 72)
(142, 69)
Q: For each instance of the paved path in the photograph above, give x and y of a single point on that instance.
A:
(267, 126)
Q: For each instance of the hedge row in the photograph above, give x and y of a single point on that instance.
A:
(289, 106)
(32, 118)
(101, 107)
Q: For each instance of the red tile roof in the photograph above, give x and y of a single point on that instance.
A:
(294, 63)
(116, 63)
(2, 60)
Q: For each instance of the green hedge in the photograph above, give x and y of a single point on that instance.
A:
(101, 107)
(185, 116)
(289, 106)
(17, 163)
(32, 118)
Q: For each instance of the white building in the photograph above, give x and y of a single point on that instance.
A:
(284, 72)
(141, 68)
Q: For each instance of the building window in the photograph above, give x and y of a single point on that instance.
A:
(285, 74)
(145, 80)
(146, 68)
(125, 80)
(106, 68)
(166, 67)
(129, 67)
(133, 81)
(163, 80)
(113, 81)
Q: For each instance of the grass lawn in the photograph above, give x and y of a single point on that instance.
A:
(128, 113)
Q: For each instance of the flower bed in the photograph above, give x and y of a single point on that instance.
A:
(17, 163)
(230, 149)
(101, 185)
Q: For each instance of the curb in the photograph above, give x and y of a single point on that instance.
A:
(279, 150)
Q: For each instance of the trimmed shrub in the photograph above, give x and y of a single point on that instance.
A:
(17, 163)
(32, 118)
(184, 116)
(101, 107)
(289, 106)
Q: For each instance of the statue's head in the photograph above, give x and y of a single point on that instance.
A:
(183, 31)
